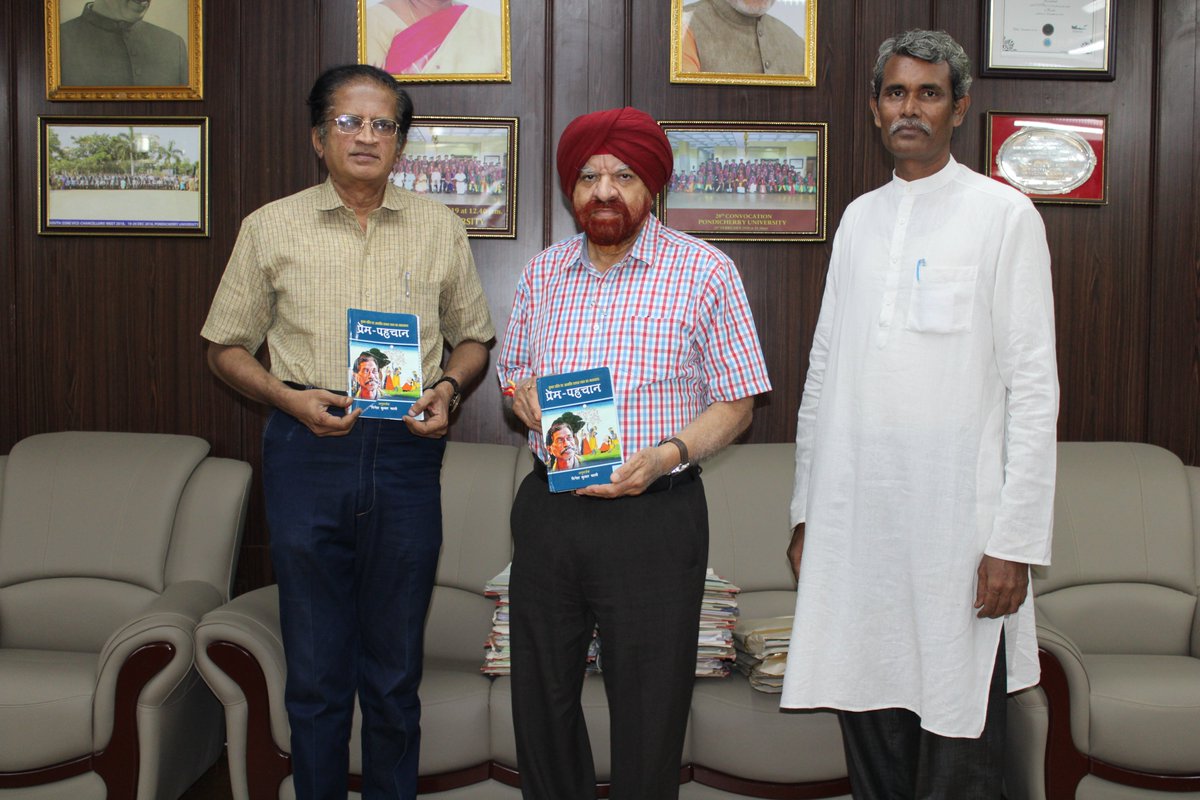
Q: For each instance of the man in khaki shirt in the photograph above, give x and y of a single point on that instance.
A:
(354, 505)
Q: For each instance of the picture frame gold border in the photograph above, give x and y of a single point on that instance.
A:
(43, 164)
(808, 79)
(503, 76)
(819, 234)
(513, 125)
(194, 90)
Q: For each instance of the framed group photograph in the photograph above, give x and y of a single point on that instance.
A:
(124, 50)
(757, 181)
(1051, 158)
(744, 42)
(420, 41)
(468, 163)
(1048, 39)
(123, 176)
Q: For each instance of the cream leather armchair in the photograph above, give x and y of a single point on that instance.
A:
(1117, 714)
(112, 546)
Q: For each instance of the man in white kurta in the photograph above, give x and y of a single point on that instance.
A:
(925, 443)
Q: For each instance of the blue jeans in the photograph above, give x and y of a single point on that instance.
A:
(356, 527)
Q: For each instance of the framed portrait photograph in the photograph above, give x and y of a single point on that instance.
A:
(744, 42)
(421, 41)
(123, 176)
(1051, 158)
(1049, 39)
(124, 50)
(468, 163)
(758, 181)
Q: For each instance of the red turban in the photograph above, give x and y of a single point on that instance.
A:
(631, 135)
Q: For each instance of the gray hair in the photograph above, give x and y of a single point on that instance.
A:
(932, 46)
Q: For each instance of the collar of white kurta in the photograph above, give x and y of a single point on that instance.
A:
(328, 199)
(641, 254)
(937, 180)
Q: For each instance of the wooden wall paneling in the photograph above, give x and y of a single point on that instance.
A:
(9, 357)
(263, 135)
(588, 44)
(1099, 267)
(1173, 395)
(26, 87)
(220, 415)
(875, 21)
(117, 318)
(783, 280)
(500, 261)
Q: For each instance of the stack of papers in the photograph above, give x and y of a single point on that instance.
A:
(497, 657)
(497, 653)
(715, 646)
(718, 615)
(762, 648)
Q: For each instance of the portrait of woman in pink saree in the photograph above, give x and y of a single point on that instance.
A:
(436, 39)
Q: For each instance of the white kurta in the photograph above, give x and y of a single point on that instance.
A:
(925, 439)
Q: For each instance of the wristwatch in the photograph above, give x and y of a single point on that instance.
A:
(455, 398)
(684, 460)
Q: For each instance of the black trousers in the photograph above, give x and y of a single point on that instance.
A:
(891, 758)
(635, 567)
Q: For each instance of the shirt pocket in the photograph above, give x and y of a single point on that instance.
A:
(943, 299)
(655, 347)
(421, 298)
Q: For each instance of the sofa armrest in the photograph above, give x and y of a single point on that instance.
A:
(171, 619)
(1063, 650)
(239, 653)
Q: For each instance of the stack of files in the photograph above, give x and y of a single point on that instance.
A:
(497, 657)
(762, 648)
(715, 646)
(718, 615)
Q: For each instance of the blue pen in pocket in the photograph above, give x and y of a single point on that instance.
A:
(920, 263)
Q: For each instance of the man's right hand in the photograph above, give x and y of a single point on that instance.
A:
(311, 406)
(526, 405)
(796, 550)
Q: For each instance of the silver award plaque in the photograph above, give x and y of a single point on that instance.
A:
(1042, 160)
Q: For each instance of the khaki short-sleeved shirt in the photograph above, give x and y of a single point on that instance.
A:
(300, 262)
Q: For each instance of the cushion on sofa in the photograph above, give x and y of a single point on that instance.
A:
(1145, 711)
(741, 732)
(46, 699)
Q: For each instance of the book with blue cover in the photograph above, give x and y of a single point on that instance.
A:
(384, 362)
(580, 428)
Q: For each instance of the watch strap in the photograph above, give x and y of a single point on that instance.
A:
(684, 460)
(455, 397)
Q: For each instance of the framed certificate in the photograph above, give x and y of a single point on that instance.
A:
(1051, 158)
(1049, 39)
(747, 181)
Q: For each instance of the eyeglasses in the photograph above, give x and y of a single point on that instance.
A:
(349, 123)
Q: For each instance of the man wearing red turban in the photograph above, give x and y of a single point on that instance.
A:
(667, 314)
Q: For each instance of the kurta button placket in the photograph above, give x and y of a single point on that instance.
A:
(895, 269)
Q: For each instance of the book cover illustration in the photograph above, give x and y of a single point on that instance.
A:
(384, 362)
(580, 428)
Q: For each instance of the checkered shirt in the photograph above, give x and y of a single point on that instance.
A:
(671, 322)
